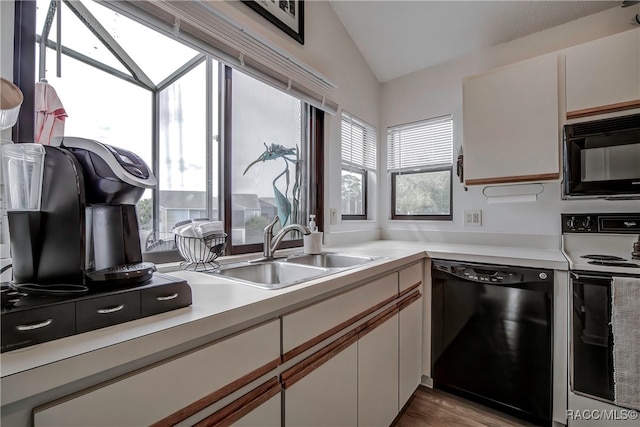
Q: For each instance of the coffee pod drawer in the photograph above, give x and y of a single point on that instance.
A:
(23, 328)
(161, 299)
(95, 313)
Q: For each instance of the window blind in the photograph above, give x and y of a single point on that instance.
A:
(358, 143)
(202, 25)
(423, 144)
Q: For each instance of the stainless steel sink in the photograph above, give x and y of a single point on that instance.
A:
(330, 260)
(279, 273)
(271, 274)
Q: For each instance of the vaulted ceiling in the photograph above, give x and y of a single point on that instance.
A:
(398, 37)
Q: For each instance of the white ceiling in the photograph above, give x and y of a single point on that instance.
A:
(398, 37)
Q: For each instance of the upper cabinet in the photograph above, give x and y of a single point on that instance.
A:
(603, 75)
(511, 123)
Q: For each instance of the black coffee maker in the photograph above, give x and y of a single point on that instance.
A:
(85, 231)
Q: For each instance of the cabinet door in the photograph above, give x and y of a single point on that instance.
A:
(511, 125)
(310, 325)
(410, 349)
(168, 388)
(603, 72)
(269, 414)
(378, 375)
(410, 277)
(328, 396)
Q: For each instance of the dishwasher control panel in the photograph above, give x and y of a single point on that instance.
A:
(488, 273)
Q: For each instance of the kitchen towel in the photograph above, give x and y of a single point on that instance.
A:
(50, 113)
(625, 320)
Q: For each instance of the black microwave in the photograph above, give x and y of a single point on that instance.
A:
(602, 159)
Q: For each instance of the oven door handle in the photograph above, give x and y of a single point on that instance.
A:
(577, 276)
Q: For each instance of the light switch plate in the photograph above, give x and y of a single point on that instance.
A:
(473, 217)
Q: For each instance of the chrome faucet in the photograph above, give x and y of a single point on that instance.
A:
(272, 242)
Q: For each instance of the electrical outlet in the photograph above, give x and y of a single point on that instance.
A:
(473, 217)
(333, 216)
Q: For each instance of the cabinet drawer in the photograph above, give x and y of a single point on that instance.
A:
(166, 298)
(162, 390)
(25, 328)
(309, 323)
(410, 276)
(108, 310)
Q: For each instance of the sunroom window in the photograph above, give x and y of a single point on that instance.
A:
(197, 122)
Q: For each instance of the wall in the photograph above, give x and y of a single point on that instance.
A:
(438, 90)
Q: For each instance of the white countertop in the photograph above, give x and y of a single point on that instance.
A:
(221, 307)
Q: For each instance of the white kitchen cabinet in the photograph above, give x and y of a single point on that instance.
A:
(603, 73)
(327, 396)
(172, 390)
(378, 374)
(511, 124)
(269, 414)
(310, 325)
(410, 332)
(410, 277)
(410, 350)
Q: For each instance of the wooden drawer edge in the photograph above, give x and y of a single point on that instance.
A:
(603, 109)
(243, 405)
(374, 322)
(409, 289)
(211, 398)
(311, 363)
(512, 179)
(344, 325)
(409, 300)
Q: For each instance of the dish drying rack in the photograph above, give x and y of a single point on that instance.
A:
(200, 253)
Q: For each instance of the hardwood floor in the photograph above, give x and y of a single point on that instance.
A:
(436, 408)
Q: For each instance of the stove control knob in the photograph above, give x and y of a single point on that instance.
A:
(542, 275)
(572, 223)
(586, 223)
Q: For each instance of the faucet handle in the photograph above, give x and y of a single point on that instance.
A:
(269, 227)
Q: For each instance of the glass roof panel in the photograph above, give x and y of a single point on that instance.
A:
(156, 54)
(142, 44)
(76, 36)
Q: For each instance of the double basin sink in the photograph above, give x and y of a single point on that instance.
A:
(279, 273)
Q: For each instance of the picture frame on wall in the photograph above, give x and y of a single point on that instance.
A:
(288, 15)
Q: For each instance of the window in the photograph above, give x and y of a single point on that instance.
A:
(201, 125)
(358, 160)
(420, 158)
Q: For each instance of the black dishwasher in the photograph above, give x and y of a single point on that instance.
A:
(492, 336)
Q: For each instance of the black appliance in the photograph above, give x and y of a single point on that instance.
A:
(602, 158)
(86, 230)
(492, 336)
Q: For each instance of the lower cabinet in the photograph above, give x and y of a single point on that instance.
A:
(378, 374)
(269, 414)
(327, 396)
(410, 348)
(350, 360)
(370, 360)
(170, 392)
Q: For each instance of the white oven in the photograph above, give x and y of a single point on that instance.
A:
(604, 354)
